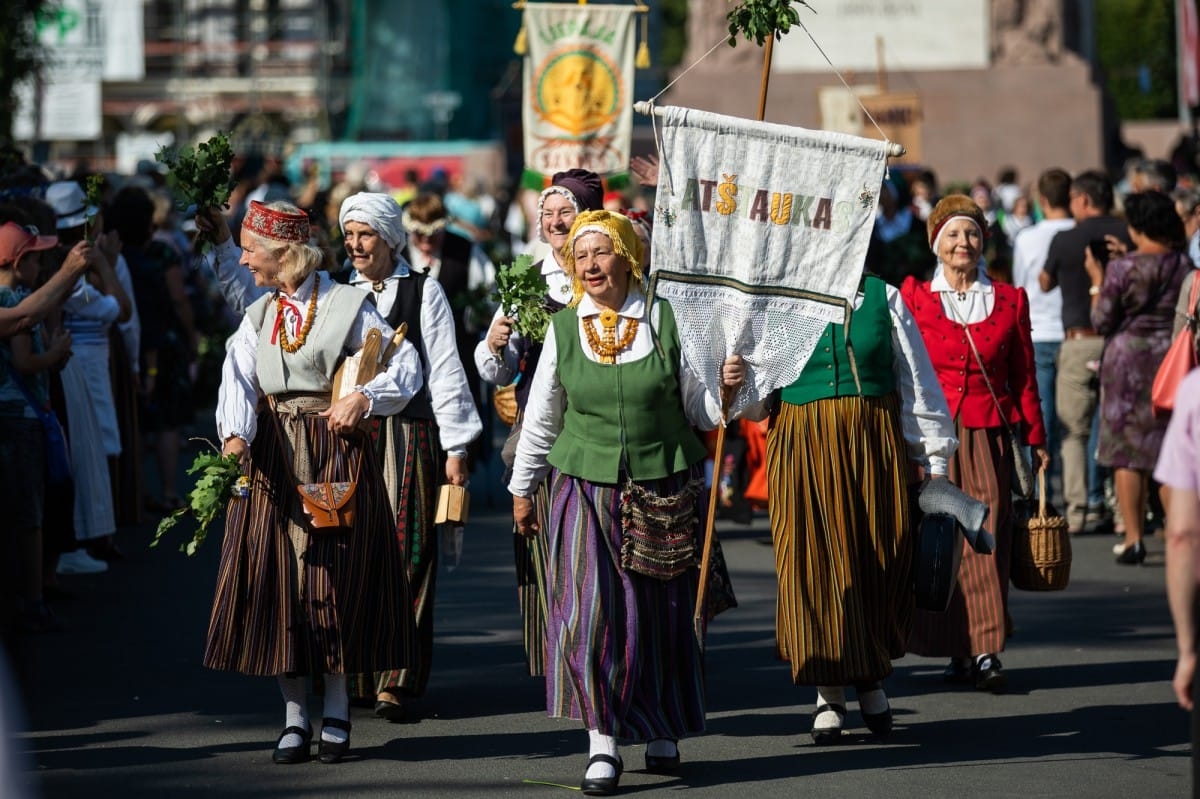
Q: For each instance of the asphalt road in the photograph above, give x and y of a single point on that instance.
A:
(119, 706)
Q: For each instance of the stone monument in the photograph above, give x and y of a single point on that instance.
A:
(1006, 90)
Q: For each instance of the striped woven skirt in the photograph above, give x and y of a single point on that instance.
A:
(974, 624)
(411, 460)
(288, 602)
(839, 513)
(621, 654)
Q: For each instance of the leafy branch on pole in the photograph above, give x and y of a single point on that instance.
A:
(760, 19)
(521, 293)
(202, 176)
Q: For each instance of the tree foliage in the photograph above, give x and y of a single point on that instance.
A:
(758, 19)
(20, 54)
(674, 16)
(1135, 45)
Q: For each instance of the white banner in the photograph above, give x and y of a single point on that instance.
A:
(70, 112)
(760, 234)
(85, 42)
(578, 110)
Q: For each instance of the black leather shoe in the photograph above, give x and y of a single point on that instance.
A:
(659, 764)
(878, 723)
(1132, 555)
(286, 755)
(828, 735)
(988, 674)
(392, 711)
(957, 673)
(602, 786)
(331, 751)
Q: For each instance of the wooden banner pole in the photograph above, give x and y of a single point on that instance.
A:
(699, 620)
(766, 77)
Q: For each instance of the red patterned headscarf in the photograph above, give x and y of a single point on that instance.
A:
(275, 225)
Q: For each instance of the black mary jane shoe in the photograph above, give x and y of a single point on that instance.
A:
(390, 711)
(602, 786)
(827, 736)
(333, 751)
(878, 723)
(286, 755)
(989, 675)
(660, 764)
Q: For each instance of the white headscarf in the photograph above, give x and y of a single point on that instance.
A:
(379, 211)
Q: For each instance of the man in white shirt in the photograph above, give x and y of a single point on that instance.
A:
(1045, 307)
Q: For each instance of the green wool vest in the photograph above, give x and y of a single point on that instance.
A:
(631, 412)
(828, 373)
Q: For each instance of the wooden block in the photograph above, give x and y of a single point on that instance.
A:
(359, 368)
(452, 505)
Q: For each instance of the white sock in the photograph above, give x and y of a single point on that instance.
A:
(662, 747)
(337, 706)
(601, 745)
(830, 695)
(873, 701)
(296, 710)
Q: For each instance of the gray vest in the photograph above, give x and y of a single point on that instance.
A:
(310, 369)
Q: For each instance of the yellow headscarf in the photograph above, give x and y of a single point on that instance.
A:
(625, 241)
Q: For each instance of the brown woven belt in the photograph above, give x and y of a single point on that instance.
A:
(300, 403)
(1081, 332)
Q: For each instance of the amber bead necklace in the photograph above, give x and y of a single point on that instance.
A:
(309, 315)
(607, 349)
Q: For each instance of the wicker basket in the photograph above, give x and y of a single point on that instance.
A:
(1041, 556)
(504, 399)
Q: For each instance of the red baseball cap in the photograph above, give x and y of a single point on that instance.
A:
(16, 240)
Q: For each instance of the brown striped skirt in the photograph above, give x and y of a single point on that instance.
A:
(292, 603)
(843, 550)
(413, 467)
(974, 624)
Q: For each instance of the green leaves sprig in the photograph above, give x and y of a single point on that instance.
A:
(95, 198)
(220, 479)
(521, 293)
(202, 177)
(758, 19)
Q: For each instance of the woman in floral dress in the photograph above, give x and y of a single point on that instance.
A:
(1133, 306)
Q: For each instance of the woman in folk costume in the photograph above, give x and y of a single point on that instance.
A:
(613, 403)
(505, 356)
(970, 325)
(838, 454)
(289, 601)
(426, 440)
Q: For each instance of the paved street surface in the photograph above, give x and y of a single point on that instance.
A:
(119, 705)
